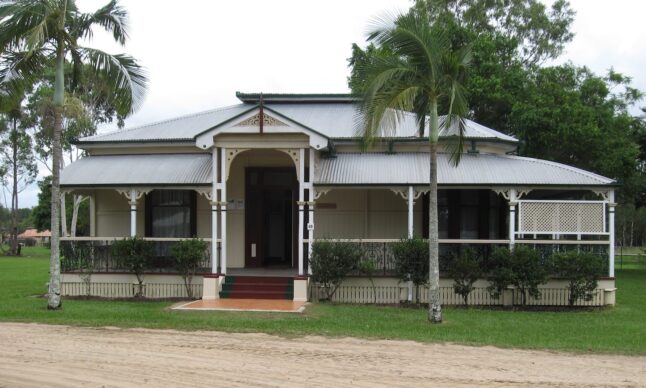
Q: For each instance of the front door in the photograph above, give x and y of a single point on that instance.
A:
(270, 210)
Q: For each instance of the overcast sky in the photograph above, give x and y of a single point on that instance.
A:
(199, 53)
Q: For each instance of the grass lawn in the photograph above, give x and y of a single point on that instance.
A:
(621, 329)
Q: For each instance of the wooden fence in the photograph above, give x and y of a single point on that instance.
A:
(127, 290)
(558, 297)
(479, 296)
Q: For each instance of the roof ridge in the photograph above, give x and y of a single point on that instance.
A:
(170, 120)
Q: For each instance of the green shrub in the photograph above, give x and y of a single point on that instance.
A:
(581, 270)
(411, 261)
(188, 255)
(135, 255)
(522, 268)
(332, 261)
(368, 267)
(465, 270)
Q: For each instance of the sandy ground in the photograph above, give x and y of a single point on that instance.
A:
(42, 355)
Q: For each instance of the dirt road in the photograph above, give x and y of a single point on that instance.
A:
(42, 355)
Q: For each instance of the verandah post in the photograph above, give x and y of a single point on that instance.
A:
(133, 212)
(410, 211)
(512, 218)
(223, 210)
(301, 208)
(611, 230)
(310, 218)
(214, 213)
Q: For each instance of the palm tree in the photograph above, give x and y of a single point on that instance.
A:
(40, 34)
(415, 70)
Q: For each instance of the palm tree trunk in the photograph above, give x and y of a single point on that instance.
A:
(54, 301)
(434, 307)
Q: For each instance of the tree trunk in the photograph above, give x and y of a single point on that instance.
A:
(14, 193)
(78, 200)
(434, 307)
(54, 300)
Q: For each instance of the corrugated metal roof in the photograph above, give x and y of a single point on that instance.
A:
(474, 169)
(114, 170)
(180, 128)
(331, 119)
(339, 120)
(336, 120)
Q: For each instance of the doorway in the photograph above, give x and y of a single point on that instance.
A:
(270, 213)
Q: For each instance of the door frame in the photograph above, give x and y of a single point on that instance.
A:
(250, 223)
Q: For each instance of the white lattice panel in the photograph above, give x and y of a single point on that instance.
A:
(561, 217)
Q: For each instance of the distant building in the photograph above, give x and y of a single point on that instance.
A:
(41, 238)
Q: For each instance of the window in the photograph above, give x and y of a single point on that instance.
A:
(170, 213)
(443, 213)
(469, 214)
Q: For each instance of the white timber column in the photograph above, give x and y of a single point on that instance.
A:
(214, 213)
(301, 208)
(93, 214)
(410, 211)
(223, 210)
(133, 212)
(513, 198)
(611, 230)
(310, 218)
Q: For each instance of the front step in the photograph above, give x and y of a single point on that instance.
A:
(257, 287)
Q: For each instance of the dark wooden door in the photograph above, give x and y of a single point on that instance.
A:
(270, 210)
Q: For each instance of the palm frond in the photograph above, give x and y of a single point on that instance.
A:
(111, 17)
(24, 24)
(125, 76)
(21, 66)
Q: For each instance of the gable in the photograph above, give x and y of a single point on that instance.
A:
(266, 122)
(254, 121)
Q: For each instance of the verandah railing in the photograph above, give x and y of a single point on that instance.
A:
(381, 252)
(94, 254)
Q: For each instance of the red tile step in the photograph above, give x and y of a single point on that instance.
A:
(257, 287)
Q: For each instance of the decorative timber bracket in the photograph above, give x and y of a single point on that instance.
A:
(403, 192)
(605, 194)
(133, 194)
(318, 192)
(512, 194)
(231, 154)
(207, 193)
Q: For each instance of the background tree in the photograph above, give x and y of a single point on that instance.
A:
(87, 105)
(564, 113)
(41, 213)
(17, 162)
(37, 29)
(415, 69)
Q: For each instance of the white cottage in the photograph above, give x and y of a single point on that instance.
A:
(263, 179)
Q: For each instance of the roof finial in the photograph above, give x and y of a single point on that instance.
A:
(262, 113)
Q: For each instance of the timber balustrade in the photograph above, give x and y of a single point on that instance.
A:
(380, 250)
(94, 254)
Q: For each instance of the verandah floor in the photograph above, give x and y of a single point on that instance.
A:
(262, 305)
